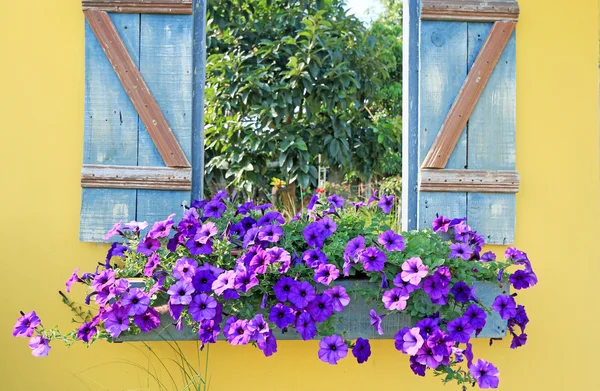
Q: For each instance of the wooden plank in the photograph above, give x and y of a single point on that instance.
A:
(136, 88)
(354, 320)
(442, 70)
(182, 7)
(476, 181)
(166, 63)
(467, 98)
(410, 119)
(110, 131)
(198, 85)
(133, 177)
(469, 10)
(491, 140)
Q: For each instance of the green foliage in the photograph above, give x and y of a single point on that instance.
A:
(288, 80)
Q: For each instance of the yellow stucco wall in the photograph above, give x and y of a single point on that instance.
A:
(41, 134)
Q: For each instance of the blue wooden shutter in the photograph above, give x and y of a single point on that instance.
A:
(478, 180)
(124, 176)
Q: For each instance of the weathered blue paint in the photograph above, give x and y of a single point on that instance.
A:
(355, 320)
(110, 131)
(491, 140)
(198, 83)
(442, 71)
(166, 65)
(410, 106)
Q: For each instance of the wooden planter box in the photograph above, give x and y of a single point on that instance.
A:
(355, 319)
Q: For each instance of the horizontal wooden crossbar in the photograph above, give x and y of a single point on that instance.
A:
(176, 7)
(469, 181)
(469, 10)
(132, 177)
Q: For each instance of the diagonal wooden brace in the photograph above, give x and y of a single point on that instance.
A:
(136, 88)
(469, 94)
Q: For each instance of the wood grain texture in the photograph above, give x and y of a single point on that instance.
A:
(465, 181)
(181, 7)
(492, 140)
(166, 63)
(134, 177)
(136, 88)
(110, 131)
(469, 10)
(469, 94)
(442, 71)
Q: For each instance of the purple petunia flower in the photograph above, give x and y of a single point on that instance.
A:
(269, 218)
(87, 331)
(314, 234)
(440, 224)
(301, 294)
(413, 270)
(326, 273)
(214, 209)
(161, 229)
(244, 280)
(394, 299)
(136, 301)
(428, 326)
(73, 279)
(259, 262)
(460, 330)
(386, 203)
(426, 356)
(412, 341)
(314, 257)
(185, 268)
(26, 325)
(147, 321)
(115, 230)
(206, 232)
(270, 233)
(488, 257)
(475, 316)
(248, 223)
(339, 297)
(435, 287)
(237, 231)
(104, 280)
(440, 343)
(151, 265)
(417, 368)
(40, 346)
(238, 333)
(320, 308)
(203, 280)
(305, 326)
(520, 317)
(523, 279)
(258, 327)
(391, 241)
(485, 373)
(336, 201)
(196, 247)
(376, 321)
(181, 292)
(329, 225)
(354, 247)
(116, 320)
(362, 350)
(313, 201)
(281, 315)
(373, 259)
(245, 208)
(280, 256)
(505, 305)
(518, 340)
(462, 292)
(202, 307)
(208, 332)
(283, 288)
(332, 349)
(269, 345)
(148, 246)
(404, 285)
(263, 207)
(461, 250)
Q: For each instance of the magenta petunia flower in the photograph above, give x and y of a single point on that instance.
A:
(136, 301)
(73, 279)
(413, 270)
(326, 273)
(426, 357)
(115, 230)
(26, 325)
(339, 297)
(202, 307)
(259, 262)
(440, 224)
(207, 231)
(362, 350)
(135, 226)
(332, 349)
(373, 259)
(148, 246)
(238, 333)
(181, 292)
(185, 268)
(40, 346)
(485, 373)
(386, 203)
(394, 299)
(151, 265)
(104, 280)
(391, 241)
(161, 229)
(412, 341)
(244, 280)
(280, 256)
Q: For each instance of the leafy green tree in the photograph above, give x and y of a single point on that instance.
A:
(289, 80)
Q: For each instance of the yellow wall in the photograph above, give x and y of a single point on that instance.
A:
(41, 120)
